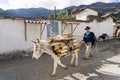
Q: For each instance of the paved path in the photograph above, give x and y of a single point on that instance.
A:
(104, 65)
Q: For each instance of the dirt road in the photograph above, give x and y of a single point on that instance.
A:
(104, 65)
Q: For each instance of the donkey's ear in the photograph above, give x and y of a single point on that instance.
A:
(38, 40)
(33, 42)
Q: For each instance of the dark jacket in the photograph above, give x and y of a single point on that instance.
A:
(89, 38)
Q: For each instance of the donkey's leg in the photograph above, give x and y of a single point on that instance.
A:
(72, 60)
(55, 66)
(62, 65)
(76, 61)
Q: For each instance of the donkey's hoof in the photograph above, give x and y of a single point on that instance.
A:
(76, 65)
(65, 68)
(73, 65)
(52, 75)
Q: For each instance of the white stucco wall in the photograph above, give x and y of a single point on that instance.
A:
(97, 27)
(107, 27)
(67, 29)
(12, 35)
(33, 31)
(83, 15)
(102, 27)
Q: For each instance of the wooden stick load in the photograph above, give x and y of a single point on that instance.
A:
(64, 45)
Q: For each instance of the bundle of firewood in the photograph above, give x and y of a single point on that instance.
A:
(64, 45)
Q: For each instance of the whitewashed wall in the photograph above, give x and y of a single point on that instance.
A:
(33, 32)
(83, 15)
(12, 37)
(67, 29)
(97, 27)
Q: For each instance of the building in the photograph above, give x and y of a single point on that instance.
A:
(16, 33)
(99, 24)
(83, 13)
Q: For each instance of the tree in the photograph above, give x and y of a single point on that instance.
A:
(63, 15)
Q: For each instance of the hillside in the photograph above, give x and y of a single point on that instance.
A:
(113, 8)
(29, 13)
(1, 10)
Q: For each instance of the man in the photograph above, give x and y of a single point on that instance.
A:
(115, 34)
(89, 39)
(118, 33)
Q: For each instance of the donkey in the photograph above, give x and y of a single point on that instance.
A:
(43, 46)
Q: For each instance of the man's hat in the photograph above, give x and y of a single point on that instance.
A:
(87, 28)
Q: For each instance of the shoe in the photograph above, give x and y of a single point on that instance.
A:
(91, 56)
(85, 58)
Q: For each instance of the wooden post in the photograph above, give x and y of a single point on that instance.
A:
(75, 28)
(43, 29)
(40, 30)
(61, 28)
(71, 27)
(64, 28)
(25, 29)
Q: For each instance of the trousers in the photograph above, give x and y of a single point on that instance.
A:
(88, 52)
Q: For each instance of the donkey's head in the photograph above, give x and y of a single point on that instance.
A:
(37, 51)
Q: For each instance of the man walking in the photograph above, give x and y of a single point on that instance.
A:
(118, 33)
(89, 39)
